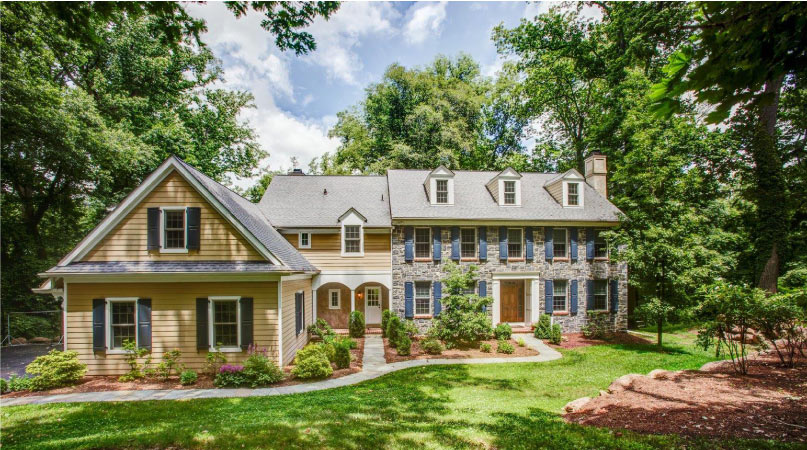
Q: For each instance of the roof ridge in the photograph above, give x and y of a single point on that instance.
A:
(188, 165)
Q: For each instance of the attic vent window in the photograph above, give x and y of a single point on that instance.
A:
(509, 192)
(442, 191)
(573, 193)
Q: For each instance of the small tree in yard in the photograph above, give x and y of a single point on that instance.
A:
(782, 322)
(462, 320)
(655, 311)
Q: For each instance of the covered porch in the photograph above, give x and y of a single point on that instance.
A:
(337, 295)
(516, 300)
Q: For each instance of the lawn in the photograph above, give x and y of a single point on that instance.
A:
(501, 405)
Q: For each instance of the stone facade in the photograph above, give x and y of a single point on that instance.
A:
(492, 268)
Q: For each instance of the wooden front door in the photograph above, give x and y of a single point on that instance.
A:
(512, 301)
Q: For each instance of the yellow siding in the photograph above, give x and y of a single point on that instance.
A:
(173, 319)
(218, 239)
(326, 252)
(556, 191)
(291, 340)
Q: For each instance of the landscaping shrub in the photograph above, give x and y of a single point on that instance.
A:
(56, 369)
(556, 335)
(394, 330)
(329, 349)
(462, 320)
(16, 383)
(351, 344)
(385, 315)
(320, 329)
(188, 377)
(230, 375)
(259, 369)
(782, 323)
(503, 331)
(3, 386)
(410, 329)
(342, 352)
(521, 342)
(214, 361)
(505, 347)
(404, 345)
(598, 326)
(169, 364)
(131, 358)
(312, 362)
(356, 324)
(431, 346)
(485, 347)
(543, 329)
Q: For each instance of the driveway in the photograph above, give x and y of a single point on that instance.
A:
(14, 359)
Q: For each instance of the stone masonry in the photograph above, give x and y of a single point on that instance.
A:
(581, 270)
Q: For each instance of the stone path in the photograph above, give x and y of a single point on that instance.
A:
(373, 366)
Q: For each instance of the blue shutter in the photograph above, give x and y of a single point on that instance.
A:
(483, 243)
(437, 240)
(502, 243)
(202, 339)
(590, 295)
(409, 244)
(455, 243)
(98, 324)
(614, 296)
(549, 251)
(548, 290)
(573, 243)
(409, 300)
(152, 228)
(247, 328)
(589, 243)
(483, 292)
(438, 294)
(144, 323)
(573, 297)
(530, 243)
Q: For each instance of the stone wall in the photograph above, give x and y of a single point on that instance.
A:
(581, 270)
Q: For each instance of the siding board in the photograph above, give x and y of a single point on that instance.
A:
(326, 252)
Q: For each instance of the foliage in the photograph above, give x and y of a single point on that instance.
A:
(312, 362)
(543, 329)
(259, 369)
(555, 335)
(410, 329)
(385, 316)
(16, 383)
(394, 330)
(654, 311)
(320, 329)
(230, 375)
(56, 369)
(503, 331)
(598, 326)
(342, 352)
(462, 320)
(356, 324)
(404, 345)
(214, 360)
(782, 323)
(503, 346)
(188, 377)
(794, 279)
(521, 342)
(133, 353)
(29, 326)
(431, 346)
(170, 364)
(485, 347)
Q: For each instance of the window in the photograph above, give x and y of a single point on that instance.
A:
(468, 243)
(509, 192)
(373, 296)
(225, 322)
(423, 304)
(423, 244)
(559, 295)
(514, 243)
(600, 246)
(559, 243)
(174, 229)
(470, 289)
(122, 322)
(352, 238)
(442, 191)
(334, 299)
(304, 240)
(573, 198)
(601, 294)
(299, 311)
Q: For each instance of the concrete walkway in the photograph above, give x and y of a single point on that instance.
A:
(373, 366)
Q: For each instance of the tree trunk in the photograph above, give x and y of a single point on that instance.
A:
(659, 325)
(770, 188)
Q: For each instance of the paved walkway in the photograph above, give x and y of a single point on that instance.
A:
(373, 366)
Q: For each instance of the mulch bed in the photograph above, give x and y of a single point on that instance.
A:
(577, 340)
(768, 403)
(391, 355)
(205, 381)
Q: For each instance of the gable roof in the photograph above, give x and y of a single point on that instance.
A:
(301, 201)
(472, 201)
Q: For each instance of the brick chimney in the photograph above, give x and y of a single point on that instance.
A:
(597, 172)
(296, 172)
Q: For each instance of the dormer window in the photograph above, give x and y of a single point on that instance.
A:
(505, 187)
(567, 189)
(573, 195)
(352, 224)
(353, 239)
(509, 192)
(442, 192)
(440, 186)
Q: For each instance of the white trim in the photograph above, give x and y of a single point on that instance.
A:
(535, 300)
(580, 195)
(300, 239)
(280, 323)
(415, 243)
(496, 313)
(108, 313)
(338, 298)
(352, 300)
(367, 290)
(64, 314)
(211, 326)
(163, 216)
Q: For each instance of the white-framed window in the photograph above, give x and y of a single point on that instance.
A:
(600, 294)
(334, 299)
(441, 193)
(352, 239)
(559, 293)
(467, 243)
(304, 239)
(423, 243)
(423, 298)
(515, 243)
(225, 322)
(122, 321)
(173, 230)
(573, 193)
(470, 289)
(373, 296)
(509, 192)
(600, 246)
(559, 248)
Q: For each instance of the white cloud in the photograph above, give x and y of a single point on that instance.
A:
(425, 22)
(537, 8)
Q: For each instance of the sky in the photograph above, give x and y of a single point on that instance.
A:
(297, 97)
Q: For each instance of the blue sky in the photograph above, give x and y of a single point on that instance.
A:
(297, 98)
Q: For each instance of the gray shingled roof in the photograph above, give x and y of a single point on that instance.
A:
(299, 201)
(90, 267)
(473, 201)
(251, 217)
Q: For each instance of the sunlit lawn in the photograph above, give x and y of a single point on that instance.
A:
(502, 405)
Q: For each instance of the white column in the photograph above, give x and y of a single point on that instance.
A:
(535, 298)
(496, 302)
(352, 300)
(314, 302)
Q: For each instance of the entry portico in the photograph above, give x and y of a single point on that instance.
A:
(516, 297)
(338, 293)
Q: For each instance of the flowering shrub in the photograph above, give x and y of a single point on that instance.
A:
(230, 375)
(259, 369)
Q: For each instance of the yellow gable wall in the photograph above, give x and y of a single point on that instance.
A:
(326, 252)
(218, 239)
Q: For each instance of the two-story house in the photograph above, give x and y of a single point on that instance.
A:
(183, 262)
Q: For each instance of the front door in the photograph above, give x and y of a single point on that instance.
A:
(372, 305)
(512, 301)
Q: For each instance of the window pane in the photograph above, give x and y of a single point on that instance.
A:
(422, 243)
(600, 294)
(304, 239)
(373, 297)
(122, 318)
(225, 323)
(352, 232)
(226, 335)
(468, 242)
(509, 192)
(573, 194)
(559, 242)
(423, 298)
(559, 295)
(352, 239)
(600, 246)
(514, 243)
(442, 191)
(174, 229)
(335, 299)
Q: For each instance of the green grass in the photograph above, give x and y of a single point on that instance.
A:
(502, 405)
